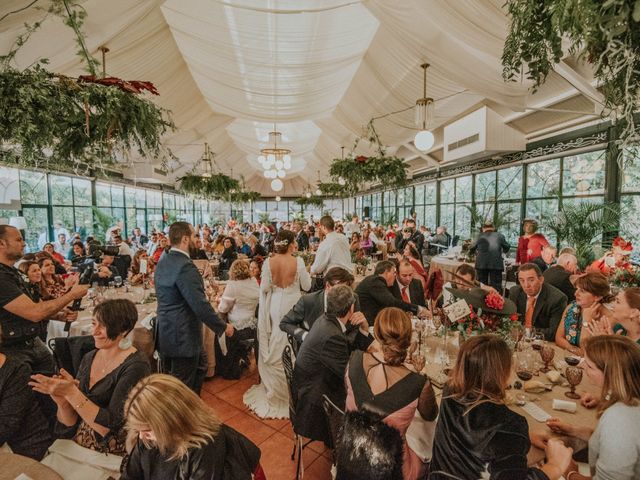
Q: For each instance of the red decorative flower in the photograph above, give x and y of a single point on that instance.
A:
(361, 159)
(494, 301)
(514, 317)
(622, 244)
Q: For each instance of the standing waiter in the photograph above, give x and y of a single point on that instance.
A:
(20, 316)
(182, 309)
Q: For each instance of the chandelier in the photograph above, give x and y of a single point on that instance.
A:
(207, 162)
(275, 159)
(424, 139)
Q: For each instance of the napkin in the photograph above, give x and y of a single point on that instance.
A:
(564, 405)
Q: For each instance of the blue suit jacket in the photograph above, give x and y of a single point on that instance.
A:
(182, 307)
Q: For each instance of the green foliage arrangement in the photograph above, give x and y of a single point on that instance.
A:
(244, 196)
(605, 32)
(582, 227)
(499, 218)
(53, 121)
(356, 171)
(216, 186)
(332, 189)
(312, 201)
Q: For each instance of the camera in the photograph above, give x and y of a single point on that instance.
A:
(407, 230)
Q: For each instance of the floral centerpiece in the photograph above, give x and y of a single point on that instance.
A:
(489, 312)
(625, 277)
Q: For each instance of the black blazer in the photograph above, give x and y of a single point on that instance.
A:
(303, 241)
(182, 307)
(561, 279)
(416, 237)
(319, 370)
(489, 247)
(548, 310)
(416, 292)
(374, 295)
(305, 312)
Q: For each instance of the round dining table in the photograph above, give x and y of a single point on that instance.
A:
(13, 465)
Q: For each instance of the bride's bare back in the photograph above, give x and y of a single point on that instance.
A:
(283, 269)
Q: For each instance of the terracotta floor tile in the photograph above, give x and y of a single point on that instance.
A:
(318, 447)
(224, 410)
(217, 384)
(320, 469)
(253, 429)
(234, 393)
(276, 457)
(277, 423)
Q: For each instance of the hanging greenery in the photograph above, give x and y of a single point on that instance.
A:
(356, 171)
(332, 189)
(312, 201)
(54, 121)
(217, 186)
(606, 33)
(244, 196)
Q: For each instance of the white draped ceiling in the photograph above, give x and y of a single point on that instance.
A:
(319, 69)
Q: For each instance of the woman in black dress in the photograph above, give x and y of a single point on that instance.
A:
(229, 255)
(477, 434)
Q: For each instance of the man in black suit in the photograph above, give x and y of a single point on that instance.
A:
(409, 233)
(540, 305)
(298, 321)
(322, 361)
(559, 275)
(489, 247)
(547, 258)
(302, 239)
(182, 309)
(374, 293)
(407, 288)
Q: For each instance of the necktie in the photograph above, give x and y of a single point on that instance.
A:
(528, 317)
(405, 297)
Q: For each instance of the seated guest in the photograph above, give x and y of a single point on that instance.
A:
(547, 258)
(321, 362)
(239, 301)
(77, 251)
(540, 305)
(218, 245)
(255, 248)
(138, 239)
(613, 364)
(409, 234)
(374, 293)
(490, 247)
(368, 448)
(366, 243)
(592, 292)
(22, 425)
(466, 279)
(561, 274)
(105, 271)
(413, 257)
(228, 256)
(198, 252)
(255, 267)
(242, 247)
(62, 246)
(152, 245)
(53, 285)
(406, 286)
(163, 247)
(90, 407)
(381, 383)
(626, 314)
(298, 321)
(173, 434)
(476, 425)
(356, 249)
(530, 244)
(141, 267)
(615, 259)
(58, 259)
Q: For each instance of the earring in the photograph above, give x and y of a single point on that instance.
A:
(125, 343)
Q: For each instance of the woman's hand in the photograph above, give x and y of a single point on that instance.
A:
(558, 454)
(57, 386)
(599, 325)
(539, 439)
(71, 280)
(558, 426)
(589, 401)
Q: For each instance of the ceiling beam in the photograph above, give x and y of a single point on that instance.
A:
(428, 158)
(580, 83)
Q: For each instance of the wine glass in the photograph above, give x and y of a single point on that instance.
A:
(418, 360)
(523, 366)
(546, 353)
(574, 377)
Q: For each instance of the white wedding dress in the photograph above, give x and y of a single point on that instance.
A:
(270, 398)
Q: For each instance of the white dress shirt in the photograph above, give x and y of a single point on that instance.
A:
(333, 251)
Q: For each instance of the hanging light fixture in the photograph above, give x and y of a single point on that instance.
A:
(424, 139)
(207, 162)
(276, 185)
(342, 181)
(318, 192)
(278, 198)
(275, 156)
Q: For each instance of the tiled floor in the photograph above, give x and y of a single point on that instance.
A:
(273, 437)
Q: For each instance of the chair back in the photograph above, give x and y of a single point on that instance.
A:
(295, 346)
(287, 363)
(68, 351)
(455, 240)
(335, 418)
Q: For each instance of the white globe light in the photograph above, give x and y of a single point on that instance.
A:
(276, 185)
(261, 159)
(267, 163)
(287, 159)
(279, 164)
(267, 174)
(278, 198)
(286, 165)
(424, 140)
(308, 194)
(318, 191)
(271, 158)
(273, 174)
(282, 173)
(341, 181)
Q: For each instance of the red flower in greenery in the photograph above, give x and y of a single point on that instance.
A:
(494, 301)
(361, 159)
(514, 317)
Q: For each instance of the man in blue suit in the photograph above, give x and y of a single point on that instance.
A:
(182, 309)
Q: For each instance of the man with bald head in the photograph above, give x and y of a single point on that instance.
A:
(560, 275)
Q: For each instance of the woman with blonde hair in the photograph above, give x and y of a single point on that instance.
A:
(475, 424)
(382, 383)
(613, 363)
(172, 434)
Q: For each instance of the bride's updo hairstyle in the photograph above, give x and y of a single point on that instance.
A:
(284, 238)
(392, 329)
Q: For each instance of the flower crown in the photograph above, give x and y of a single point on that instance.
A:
(622, 244)
(281, 243)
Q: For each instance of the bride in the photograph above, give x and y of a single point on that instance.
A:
(283, 276)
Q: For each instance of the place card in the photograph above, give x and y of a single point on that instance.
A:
(457, 310)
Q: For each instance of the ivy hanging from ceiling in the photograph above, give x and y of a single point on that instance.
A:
(357, 172)
(216, 186)
(312, 201)
(605, 33)
(58, 122)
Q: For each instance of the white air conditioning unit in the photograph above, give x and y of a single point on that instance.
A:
(482, 133)
(148, 173)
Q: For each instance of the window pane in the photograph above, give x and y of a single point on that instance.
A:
(154, 198)
(543, 179)
(64, 217)
(103, 195)
(37, 231)
(446, 216)
(579, 200)
(486, 187)
(61, 192)
(140, 198)
(84, 221)
(430, 193)
(463, 222)
(408, 195)
(130, 196)
(485, 210)
(583, 174)
(540, 210)
(81, 191)
(168, 201)
(629, 225)
(510, 183)
(463, 189)
(420, 215)
(419, 193)
(117, 196)
(33, 187)
(631, 177)
(509, 216)
(430, 217)
(9, 190)
(447, 191)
